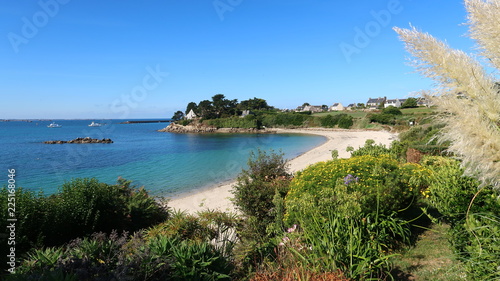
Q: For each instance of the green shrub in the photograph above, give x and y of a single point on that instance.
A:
(342, 120)
(482, 252)
(363, 184)
(32, 220)
(357, 246)
(256, 188)
(473, 213)
(329, 121)
(123, 257)
(451, 193)
(234, 122)
(82, 207)
(372, 149)
(348, 211)
(392, 110)
(296, 119)
(345, 122)
(382, 118)
(185, 122)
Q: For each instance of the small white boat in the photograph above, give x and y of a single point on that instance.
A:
(95, 124)
(54, 125)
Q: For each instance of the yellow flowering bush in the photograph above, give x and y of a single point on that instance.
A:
(357, 185)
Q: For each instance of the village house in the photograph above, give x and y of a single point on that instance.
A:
(394, 102)
(191, 115)
(313, 108)
(337, 107)
(423, 102)
(375, 103)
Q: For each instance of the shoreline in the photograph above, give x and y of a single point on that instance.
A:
(218, 197)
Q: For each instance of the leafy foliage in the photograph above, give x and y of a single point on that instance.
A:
(358, 246)
(82, 206)
(382, 118)
(256, 188)
(285, 119)
(392, 110)
(363, 184)
(164, 252)
(410, 103)
(178, 115)
(473, 216)
(346, 122)
(249, 122)
(375, 150)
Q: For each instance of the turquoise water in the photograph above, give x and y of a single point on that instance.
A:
(165, 163)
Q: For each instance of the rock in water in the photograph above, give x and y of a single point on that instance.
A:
(80, 140)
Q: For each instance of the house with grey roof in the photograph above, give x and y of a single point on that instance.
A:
(394, 102)
(337, 107)
(375, 103)
(313, 108)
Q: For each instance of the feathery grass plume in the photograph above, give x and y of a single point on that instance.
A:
(485, 27)
(465, 93)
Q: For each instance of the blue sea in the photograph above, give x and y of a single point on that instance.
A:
(166, 164)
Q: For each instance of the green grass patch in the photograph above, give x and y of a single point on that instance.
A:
(418, 110)
(354, 114)
(430, 259)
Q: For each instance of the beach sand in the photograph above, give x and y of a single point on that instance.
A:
(218, 197)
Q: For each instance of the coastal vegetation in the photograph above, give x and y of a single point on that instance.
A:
(361, 218)
(344, 219)
(256, 114)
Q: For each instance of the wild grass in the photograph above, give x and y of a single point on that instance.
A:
(430, 259)
(467, 93)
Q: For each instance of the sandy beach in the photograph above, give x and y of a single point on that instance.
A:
(218, 197)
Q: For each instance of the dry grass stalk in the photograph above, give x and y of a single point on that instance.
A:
(468, 96)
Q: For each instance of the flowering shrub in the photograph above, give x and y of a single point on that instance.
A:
(363, 184)
(347, 213)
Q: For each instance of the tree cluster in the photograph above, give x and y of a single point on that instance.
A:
(220, 107)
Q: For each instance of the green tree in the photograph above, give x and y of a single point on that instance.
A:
(254, 104)
(206, 109)
(410, 103)
(178, 115)
(193, 106)
(223, 107)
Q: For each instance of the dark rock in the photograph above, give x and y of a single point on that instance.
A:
(80, 140)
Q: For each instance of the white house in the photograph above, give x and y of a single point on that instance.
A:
(191, 115)
(393, 102)
(337, 107)
(374, 103)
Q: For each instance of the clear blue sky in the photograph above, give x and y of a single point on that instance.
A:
(110, 59)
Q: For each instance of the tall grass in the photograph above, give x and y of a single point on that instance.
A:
(467, 94)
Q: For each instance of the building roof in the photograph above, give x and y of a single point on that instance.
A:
(377, 100)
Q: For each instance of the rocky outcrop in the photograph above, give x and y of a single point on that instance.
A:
(201, 128)
(197, 128)
(80, 140)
